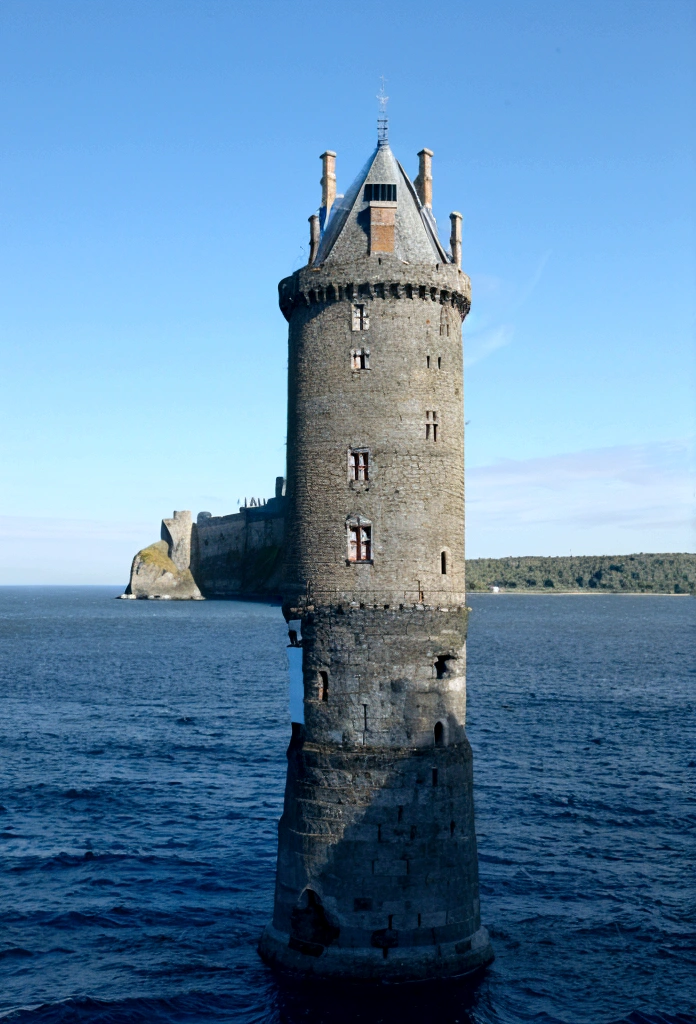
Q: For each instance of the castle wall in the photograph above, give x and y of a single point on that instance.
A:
(240, 555)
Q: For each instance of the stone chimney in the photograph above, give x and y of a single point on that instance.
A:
(328, 182)
(456, 238)
(314, 235)
(424, 181)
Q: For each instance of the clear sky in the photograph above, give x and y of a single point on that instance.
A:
(159, 162)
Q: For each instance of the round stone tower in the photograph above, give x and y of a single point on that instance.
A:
(377, 869)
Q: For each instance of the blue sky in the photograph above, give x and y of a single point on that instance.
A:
(159, 162)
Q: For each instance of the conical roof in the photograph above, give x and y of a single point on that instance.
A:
(415, 235)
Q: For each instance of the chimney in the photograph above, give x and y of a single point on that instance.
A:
(456, 238)
(313, 238)
(328, 181)
(424, 181)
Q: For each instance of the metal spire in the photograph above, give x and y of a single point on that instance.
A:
(382, 119)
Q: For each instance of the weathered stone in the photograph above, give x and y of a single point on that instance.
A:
(154, 574)
(377, 870)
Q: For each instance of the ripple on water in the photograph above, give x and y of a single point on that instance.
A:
(142, 780)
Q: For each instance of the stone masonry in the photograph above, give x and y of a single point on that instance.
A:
(377, 870)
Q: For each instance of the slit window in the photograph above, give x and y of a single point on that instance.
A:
(359, 542)
(427, 361)
(360, 359)
(439, 362)
(439, 732)
(443, 563)
(361, 320)
(324, 685)
(431, 426)
(379, 193)
(359, 465)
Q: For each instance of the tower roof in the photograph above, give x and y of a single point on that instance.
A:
(415, 235)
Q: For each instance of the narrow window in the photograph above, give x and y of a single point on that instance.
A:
(324, 685)
(361, 321)
(359, 542)
(427, 361)
(431, 425)
(359, 465)
(443, 563)
(434, 776)
(439, 362)
(439, 733)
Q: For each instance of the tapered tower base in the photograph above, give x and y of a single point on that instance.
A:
(447, 960)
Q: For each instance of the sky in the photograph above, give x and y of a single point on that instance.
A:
(159, 162)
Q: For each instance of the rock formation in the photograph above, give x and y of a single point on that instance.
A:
(163, 570)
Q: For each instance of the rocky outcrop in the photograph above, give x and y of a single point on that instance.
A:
(163, 569)
(237, 556)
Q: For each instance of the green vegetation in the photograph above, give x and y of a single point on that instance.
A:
(615, 574)
(158, 554)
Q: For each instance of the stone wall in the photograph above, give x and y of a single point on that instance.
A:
(414, 499)
(234, 556)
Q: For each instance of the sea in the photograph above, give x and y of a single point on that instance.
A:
(141, 781)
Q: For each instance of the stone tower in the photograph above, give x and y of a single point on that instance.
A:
(377, 870)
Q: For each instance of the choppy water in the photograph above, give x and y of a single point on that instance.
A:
(143, 762)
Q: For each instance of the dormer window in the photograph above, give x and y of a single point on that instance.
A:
(380, 193)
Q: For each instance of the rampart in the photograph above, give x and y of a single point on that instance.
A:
(233, 556)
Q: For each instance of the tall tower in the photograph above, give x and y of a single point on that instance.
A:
(377, 869)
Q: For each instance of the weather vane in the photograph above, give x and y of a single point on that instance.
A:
(382, 120)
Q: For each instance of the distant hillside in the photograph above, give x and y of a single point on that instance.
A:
(618, 574)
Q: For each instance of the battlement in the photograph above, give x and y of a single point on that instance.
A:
(386, 279)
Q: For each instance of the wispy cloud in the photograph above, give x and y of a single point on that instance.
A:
(483, 343)
(632, 497)
(483, 335)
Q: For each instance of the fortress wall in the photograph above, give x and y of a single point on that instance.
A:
(239, 555)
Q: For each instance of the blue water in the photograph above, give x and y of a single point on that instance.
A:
(142, 773)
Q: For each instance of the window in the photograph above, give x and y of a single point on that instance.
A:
(431, 426)
(427, 361)
(380, 193)
(360, 359)
(439, 362)
(324, 685)
(443, 563)
(359, 541)
(439, 733)
(359, 465)
(361, 320)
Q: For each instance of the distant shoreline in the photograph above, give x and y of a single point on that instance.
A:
(571, 593)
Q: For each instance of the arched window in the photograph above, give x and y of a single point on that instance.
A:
(443, 563)
(324, 685)
(439, 732)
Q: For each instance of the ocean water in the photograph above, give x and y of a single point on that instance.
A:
(141, 779)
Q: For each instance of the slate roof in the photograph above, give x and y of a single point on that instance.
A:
(345, 235)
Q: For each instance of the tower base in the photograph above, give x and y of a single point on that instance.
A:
(446, 961)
